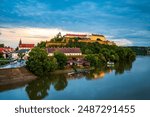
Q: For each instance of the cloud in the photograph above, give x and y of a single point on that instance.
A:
(123, 42)
(30, 8)
(120, 19)
(30, 35)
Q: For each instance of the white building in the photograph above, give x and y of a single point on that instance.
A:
(24, 52)
(66, 51)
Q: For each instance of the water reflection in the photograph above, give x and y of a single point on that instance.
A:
(38, 89)
(59, 82)
(123, 66)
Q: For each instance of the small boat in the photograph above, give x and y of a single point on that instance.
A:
(71, 73)
(110, 63)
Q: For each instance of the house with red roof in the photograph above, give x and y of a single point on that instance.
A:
(5, 51)
(25, 46)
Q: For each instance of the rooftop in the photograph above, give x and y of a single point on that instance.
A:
(22, 51)
(77, 35)
(97, 35)
(64, 50)
(1, 50)
(6, 49)
(26, 46)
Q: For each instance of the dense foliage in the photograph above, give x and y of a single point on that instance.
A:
(140, 50)
(2, 45)
(61, 59)
(98, 54)
(42, 44)
(1, 55)
(58, 38)
(3, 61)
(21, 55)
(39, 63)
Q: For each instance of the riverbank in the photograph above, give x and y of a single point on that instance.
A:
(15, 77)
(71, 70)
(18, 77)
(22, 75)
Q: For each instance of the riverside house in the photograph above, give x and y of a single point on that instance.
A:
(6, 51)
(24, 52)
(23, 49)
(66, 51)
(74, 56)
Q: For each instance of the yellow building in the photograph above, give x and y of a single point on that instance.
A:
(87, 38)
(52, 44)
(96, 37)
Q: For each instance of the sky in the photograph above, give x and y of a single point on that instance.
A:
(127, 22)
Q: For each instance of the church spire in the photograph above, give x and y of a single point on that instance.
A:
(20, 42)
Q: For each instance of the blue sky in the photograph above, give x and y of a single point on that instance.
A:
(127, 21)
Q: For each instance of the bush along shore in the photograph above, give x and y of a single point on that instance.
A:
(96, 54)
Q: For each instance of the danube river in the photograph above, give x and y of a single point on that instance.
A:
(124, 81)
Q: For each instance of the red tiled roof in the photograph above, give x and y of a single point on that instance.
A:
(76, 35)
(64, 50)
(26, 46)
(1, 50)
(6, 49)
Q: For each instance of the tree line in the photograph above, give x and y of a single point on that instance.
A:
(100, 54)
(40, 63)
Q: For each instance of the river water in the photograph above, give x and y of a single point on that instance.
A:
(125, 81)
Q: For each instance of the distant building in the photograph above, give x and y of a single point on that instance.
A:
(6, 51)
(88, 38)
(78, 62)
(25, 46)
(25, 52)
(52, 44)
(66, 51)
(97, 37)
(92, 37)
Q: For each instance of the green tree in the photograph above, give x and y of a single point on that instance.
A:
(42, 44)
(61, 59)
(53, 64)
(2, 45)
(121, 53)
(39, 88)
(21, 55)
(93, 59)
(102, 58)
(88, 51)
(1, 55)
(130, 55)
(106, 53)
(39, 62)
(59, 82)
(57, 38)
